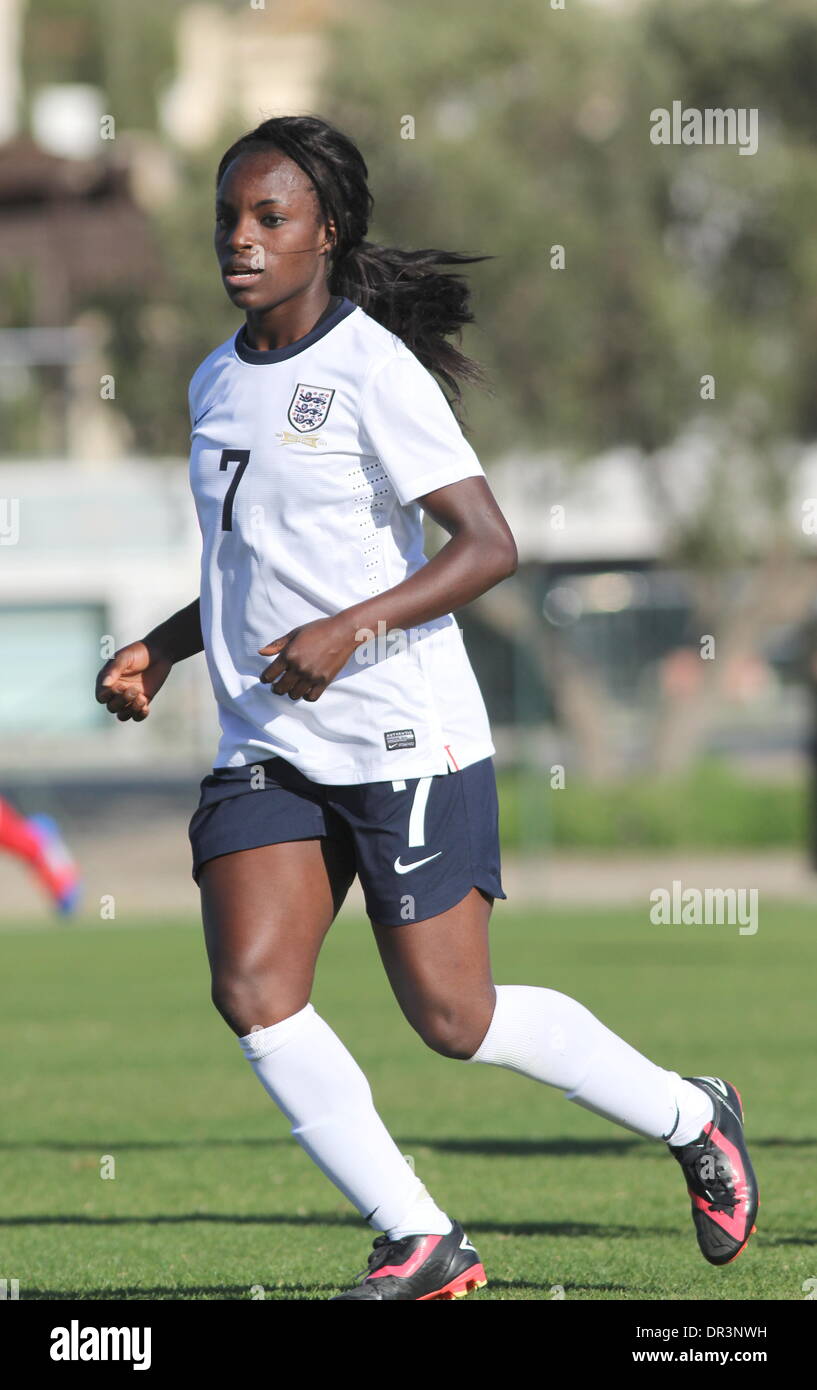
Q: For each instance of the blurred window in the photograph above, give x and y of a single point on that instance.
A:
(49, 656)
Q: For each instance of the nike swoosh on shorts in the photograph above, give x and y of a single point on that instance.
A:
(407, 868)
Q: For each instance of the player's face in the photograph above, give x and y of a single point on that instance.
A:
(269, 238)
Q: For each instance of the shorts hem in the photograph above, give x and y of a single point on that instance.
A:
(444, 903)
(198, 864)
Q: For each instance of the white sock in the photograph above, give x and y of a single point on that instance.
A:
(315, 1081)
(694, 1111)
(423, 1218)
(553, 1039)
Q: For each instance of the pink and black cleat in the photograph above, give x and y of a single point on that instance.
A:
(420, 1268)
(720, 1177)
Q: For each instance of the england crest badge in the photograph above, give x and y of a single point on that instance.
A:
(309, 407)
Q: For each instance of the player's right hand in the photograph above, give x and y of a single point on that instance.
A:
(128, 682)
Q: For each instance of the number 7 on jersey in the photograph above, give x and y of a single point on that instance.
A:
(241, 458)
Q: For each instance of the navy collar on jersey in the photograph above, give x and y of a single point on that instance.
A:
(256, 355)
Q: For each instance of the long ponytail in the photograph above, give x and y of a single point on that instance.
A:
(406, 291)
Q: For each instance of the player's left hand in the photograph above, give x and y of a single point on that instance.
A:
(307, 659)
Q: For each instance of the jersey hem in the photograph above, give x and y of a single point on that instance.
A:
(351, 774)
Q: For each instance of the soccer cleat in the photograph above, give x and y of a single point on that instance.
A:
(720, 1177)
(420, 1268)
(56, 866)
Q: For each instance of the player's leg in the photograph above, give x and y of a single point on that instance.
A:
(37, 840)
(266, 912)
(426, 848)
(438, 963)
(440, 972)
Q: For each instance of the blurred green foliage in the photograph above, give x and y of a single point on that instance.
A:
(711, 807)
(532, 131)
(127, 50)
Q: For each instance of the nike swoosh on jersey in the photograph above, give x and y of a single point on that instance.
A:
(407, 868)
(204, 413)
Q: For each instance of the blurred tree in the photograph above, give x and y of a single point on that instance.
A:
(531, 130)
(124, 49)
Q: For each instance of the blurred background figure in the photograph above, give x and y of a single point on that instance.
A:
(37, 841)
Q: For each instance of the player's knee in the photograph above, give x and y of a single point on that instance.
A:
(227, 998)
(452, 1033)
(246, 1001)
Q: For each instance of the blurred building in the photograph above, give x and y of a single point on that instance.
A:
(232, 61)
(70, 226)
(91, 560)
(279, 49)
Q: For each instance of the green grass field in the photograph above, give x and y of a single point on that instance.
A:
(111, 1047)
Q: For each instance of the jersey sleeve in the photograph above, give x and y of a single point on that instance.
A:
(408, 424)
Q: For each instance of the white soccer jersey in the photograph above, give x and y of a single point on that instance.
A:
(305, 465)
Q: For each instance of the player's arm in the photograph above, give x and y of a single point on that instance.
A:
(480, 553)
(135, 673)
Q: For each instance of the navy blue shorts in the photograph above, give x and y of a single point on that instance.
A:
(418, 846)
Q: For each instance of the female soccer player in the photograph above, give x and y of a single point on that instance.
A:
(354, 736)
